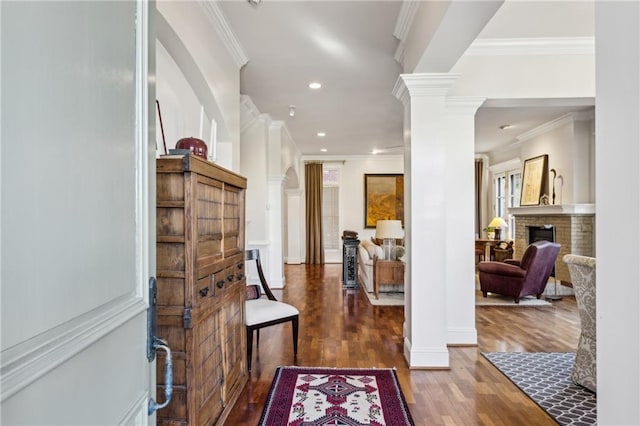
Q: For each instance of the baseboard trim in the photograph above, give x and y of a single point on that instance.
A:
(426, 358)
(462, 336)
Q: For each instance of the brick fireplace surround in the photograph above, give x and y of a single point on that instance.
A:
(574, 226)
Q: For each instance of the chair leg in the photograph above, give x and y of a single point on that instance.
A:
(294, 328)
(249, 347)
(257, 337)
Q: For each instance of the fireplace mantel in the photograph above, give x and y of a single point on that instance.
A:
(574, 226)
(561, 209)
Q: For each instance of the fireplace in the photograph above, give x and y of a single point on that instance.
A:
(570, 225)
(542, 233)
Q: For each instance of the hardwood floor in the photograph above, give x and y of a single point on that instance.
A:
(340, 328)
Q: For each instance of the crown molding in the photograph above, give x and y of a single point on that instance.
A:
(532, 46)
(464, 104)
(426, 84)
(554, 124)
(408, 11)
(345, 158)
(399, 53)
(222, 27)
(249, 113)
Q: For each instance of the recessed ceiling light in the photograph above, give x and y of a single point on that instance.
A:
(321, 134)
(315, 85)
(505, 126)
(323, 150)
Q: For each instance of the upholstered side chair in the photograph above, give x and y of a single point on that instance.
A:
(264, 310)
(583, 278)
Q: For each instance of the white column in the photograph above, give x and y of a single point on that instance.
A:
(460, 229)
(295, 228)
(618, 211)
(426, 218)
(275, 267)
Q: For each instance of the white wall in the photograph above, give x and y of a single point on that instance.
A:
(352, 186)
(196, 69)
(617, 211)
(525, 77)
(253, 166)
(569, 143)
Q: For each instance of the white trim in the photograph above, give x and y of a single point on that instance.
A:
(505, 166)
(428, 357)
(138, 413)
(428, 84)
(225, 32)
(399, 53)
(30, 360)
(532, 46)
(558, 209)
(249, 112)
(463, 105)
(344, 158)
(462, 336)
(406, 15)
(554, 124)
(401, 92)
(142, 171)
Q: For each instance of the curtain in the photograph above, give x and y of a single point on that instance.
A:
(478, 198)
(313, 213)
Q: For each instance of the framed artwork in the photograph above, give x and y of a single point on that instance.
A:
(383, 198)
(535, 180)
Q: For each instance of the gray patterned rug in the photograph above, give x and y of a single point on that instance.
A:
(546, 378)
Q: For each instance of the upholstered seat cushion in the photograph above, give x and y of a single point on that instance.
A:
(264, 310)
(502, 269)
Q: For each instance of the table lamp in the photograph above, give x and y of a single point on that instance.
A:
(389, 231)
(497, 224)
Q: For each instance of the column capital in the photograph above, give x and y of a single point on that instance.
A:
(278, 179)
(425, 84)
(464, 105)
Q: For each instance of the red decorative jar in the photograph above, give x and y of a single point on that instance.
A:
(196, 146)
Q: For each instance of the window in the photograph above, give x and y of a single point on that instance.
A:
(506, 190)
(330, 209)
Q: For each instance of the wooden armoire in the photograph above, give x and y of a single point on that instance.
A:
(201, 287)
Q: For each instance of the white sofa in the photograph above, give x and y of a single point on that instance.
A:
(367, 250)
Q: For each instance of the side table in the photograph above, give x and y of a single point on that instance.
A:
(387, 272)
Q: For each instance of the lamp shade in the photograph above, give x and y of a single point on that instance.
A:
(498, 222)
(389, 229)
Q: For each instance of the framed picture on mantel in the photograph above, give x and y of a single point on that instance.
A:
(535, 180)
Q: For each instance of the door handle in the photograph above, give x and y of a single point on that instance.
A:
(153, 344)
(168, 377)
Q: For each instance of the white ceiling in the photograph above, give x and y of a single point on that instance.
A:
(348, 46)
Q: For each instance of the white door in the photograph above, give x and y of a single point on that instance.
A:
(76, 202)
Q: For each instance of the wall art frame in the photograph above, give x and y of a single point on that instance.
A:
(383, 198)
(535, 180)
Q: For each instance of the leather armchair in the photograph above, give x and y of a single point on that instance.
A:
(519, 278)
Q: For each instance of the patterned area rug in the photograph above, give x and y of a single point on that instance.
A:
(335, 396)
(546, 378)
(385, 299)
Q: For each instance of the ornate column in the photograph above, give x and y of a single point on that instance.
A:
(275, 229)
(459, 242)
(426, 197)
(295, 226)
